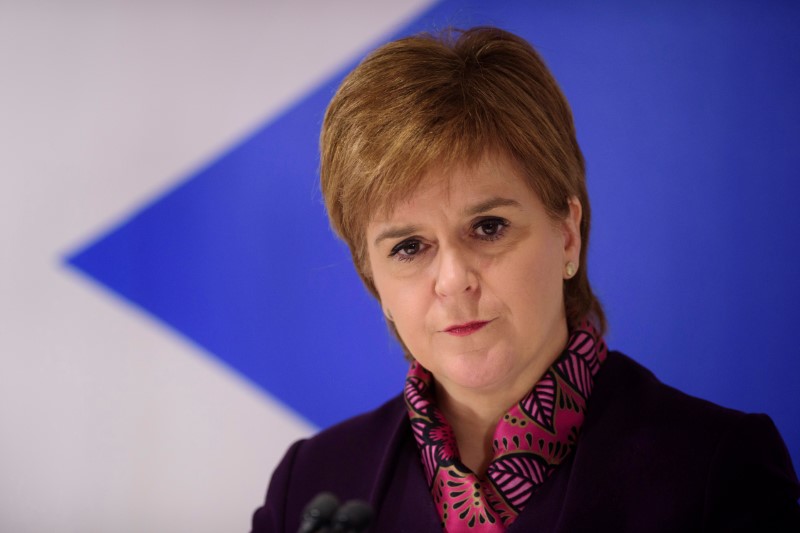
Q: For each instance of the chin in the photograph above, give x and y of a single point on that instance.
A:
(478, 369)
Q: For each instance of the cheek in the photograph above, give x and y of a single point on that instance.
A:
(404, 298)
(534, 283)
(410, 310)
(382, 284)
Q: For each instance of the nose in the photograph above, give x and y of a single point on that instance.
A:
(455, 272)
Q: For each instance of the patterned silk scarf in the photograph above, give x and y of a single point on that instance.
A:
(530, 441)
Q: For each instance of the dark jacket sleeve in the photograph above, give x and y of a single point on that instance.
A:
(270, 518)
(752, 485)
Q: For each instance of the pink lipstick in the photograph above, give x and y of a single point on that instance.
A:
(462, 330)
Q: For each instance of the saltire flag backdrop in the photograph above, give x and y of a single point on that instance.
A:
(175, 310)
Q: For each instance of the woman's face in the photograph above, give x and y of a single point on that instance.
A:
(470, 268)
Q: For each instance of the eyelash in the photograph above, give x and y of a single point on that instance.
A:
(500, 227)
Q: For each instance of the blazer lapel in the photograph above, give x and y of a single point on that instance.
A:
(400, 494)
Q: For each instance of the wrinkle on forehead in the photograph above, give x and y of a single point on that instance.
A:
(441, 180)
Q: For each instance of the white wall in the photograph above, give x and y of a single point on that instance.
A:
(110, 422)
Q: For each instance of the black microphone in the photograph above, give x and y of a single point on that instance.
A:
(319, 512)
(352, 517)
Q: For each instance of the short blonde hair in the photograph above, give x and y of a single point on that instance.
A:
(427, 102)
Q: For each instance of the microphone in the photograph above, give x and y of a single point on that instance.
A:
(352, 517)
(323, 514)
(318, 512)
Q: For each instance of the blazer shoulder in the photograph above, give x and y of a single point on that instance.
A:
(627, 389)
(637, 424)
(347, 459)
(751, 482)
(358, 444)
(377, 426)
(724, 467)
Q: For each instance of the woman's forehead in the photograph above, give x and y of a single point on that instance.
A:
(491, 182)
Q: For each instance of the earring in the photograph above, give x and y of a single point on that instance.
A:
(387, 314)
(571, 269)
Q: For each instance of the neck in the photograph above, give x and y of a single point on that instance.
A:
(474, 414)
(473, 424)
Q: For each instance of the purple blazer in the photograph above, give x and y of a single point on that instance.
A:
(649, 459)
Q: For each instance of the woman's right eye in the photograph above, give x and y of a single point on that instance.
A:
(406, 250)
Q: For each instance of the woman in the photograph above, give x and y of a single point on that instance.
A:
(451, 169)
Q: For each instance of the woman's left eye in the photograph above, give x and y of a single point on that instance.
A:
(406, 250)
(490, 229)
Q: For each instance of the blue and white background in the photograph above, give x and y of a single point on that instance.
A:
(174, 310)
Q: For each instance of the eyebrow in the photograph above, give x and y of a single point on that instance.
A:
(488, 205)
(394, 233)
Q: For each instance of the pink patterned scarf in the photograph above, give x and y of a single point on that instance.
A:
(530, 441)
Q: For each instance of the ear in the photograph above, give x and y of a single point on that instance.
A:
(571, 226)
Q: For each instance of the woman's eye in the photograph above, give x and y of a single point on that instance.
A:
(490, 228)
(406, 250)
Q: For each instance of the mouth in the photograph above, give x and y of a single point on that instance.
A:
(462, 330)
